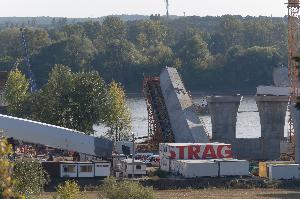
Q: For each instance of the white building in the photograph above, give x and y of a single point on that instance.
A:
(138, 166)
(70, 169)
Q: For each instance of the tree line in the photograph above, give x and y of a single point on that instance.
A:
(73, 100)
(211, 53)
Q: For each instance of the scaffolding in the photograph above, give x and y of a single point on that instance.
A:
(159, 126)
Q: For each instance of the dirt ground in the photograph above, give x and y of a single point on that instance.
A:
(214, 193)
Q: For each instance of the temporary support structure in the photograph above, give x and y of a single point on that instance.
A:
(159, 127)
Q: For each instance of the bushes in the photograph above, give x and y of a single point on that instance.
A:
(69, 190)
(6, 182)
(30, 178)
(124, 189)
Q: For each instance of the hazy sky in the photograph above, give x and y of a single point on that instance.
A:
(97, 8)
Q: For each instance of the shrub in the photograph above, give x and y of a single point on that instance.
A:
(30, 178)
(68, 190)
(6, 182)
(113, 189)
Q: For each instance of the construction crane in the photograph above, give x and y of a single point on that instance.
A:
(29, 73)
(293, 29)
(167, 8)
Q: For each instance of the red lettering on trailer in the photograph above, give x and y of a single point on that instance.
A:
(219, 151)
(193, 152)
(228, 152)
(209, 152)
(181, 151)
(172, 153)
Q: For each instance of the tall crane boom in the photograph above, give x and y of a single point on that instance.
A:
(32, 83)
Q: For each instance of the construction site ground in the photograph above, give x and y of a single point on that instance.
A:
(212, 193)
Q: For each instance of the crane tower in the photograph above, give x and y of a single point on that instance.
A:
(293, 29)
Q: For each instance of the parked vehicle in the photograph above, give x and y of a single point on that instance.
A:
(152, 161)
(142, 156)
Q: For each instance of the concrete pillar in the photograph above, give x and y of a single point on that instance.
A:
(272, 111)
(223, 111)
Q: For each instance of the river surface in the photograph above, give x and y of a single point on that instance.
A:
(248, 124)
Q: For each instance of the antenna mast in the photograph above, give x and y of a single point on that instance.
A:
(167, 8)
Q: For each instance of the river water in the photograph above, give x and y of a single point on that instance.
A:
(248, 124)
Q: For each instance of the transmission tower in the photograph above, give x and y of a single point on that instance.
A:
(293, 29)
(167, 8)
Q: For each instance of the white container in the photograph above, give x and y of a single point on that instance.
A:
(284, 171)
(164, 164)
(68, 169)
(102, 169)
(138, 166)
(233, 167)
(85, 170)
(198, 168)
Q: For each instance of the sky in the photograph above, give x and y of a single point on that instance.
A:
(98, 8)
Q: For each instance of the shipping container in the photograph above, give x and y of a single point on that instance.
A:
(284, 171)
(198, 168)
(264, 167)
(195, 151)
(233, 167)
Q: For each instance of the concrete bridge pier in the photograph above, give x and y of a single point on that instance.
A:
(272, 111)
(223, 111)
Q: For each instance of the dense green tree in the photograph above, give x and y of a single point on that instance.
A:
(117, 115)
(129, 50)
(35, 39)
(92, 29)
(11, 42)
(117, 59)
(75, 52)
(30, 178)
(6, 182)
(150, 33)
(252, 66)
(113, 28)
(16, 92)
(71, 100)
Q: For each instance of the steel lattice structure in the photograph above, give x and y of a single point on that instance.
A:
(159, 127)
(293, 29)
